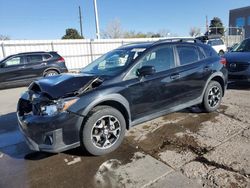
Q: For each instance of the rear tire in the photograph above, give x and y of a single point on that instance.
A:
(50, 73)
(212, 97)
(103, 130)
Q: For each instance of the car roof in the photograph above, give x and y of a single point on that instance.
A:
(30, 53)
(136, 45)
(162, 41)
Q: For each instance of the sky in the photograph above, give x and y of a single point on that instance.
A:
(48, 19)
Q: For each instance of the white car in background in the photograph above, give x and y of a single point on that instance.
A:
(215, 42)
(218, 45)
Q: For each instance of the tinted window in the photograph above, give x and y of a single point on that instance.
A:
(13, 61)
(34, 58)
(162, 58)
(47, 56)
(187, 54)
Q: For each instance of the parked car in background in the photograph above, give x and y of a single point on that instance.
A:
(23, 68)
(125, 87)
(216, 42)
(238, 61)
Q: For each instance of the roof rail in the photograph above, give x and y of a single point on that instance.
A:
(178, 40)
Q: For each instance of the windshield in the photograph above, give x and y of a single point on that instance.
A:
(113, 62)
(244, 46)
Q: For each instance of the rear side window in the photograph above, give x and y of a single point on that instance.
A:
(187, 54)
(34, 58)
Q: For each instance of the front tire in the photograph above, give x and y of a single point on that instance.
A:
(212, 97)
(103, 130)
(221, 53)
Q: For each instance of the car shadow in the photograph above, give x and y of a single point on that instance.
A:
(239, 85)
(12, 142)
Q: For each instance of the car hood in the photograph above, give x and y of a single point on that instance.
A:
(63, 85)
(238, 56)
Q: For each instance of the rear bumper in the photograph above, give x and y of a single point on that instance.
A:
(50, 134)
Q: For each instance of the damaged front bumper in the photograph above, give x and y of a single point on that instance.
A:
(48, 133)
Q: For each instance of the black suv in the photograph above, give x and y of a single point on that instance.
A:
(23, 68)
(125, 87)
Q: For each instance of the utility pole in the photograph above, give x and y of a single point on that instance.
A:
(80, 16)
(96, 21)
(207, 24)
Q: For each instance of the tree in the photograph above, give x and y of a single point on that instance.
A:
(4, 37)
(72, 34)
(216, 27)
(195, 32)
(113, 30)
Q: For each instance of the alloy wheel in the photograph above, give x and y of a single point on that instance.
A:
(214, 96)
(106, 132)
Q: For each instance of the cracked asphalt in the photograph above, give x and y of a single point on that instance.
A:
(184, 149)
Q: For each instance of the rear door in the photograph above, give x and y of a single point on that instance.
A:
(35, 65)
(192, 72)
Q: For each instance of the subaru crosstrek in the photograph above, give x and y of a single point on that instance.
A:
(127, 86)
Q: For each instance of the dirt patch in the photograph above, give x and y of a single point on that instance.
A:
(164, 137)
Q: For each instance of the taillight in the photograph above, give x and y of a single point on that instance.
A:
(223, 61)
(60, 60)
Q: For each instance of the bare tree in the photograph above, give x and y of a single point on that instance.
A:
(4, 37)
(195, 31)
(113, 30)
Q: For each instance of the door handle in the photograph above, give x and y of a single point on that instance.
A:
(206, 68)
(175, 76)
(43, 64)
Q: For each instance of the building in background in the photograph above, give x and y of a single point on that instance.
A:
(239, 21)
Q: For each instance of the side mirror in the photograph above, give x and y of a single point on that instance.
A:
(2, 65)
(145, 71)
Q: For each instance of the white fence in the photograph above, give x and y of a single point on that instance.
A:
(77, 53)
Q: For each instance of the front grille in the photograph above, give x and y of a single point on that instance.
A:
(237, 66)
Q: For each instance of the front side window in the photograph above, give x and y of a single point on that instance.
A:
(187, 54)
(113, 62)
(161, 58)
(34, 58)
(13, 61)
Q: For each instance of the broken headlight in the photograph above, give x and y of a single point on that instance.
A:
(58, 106)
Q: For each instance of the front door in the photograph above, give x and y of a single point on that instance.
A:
(153, 93)
(12, 71)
